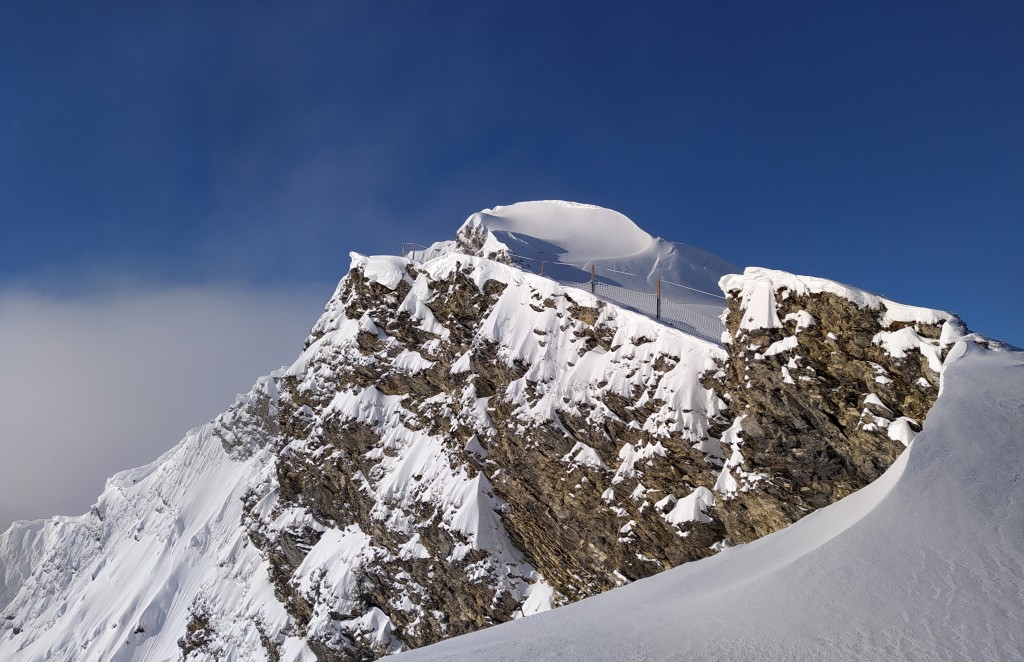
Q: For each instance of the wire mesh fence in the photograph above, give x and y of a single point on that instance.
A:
(687, 319)
(641, 302)
(419, 252)
(683, 293)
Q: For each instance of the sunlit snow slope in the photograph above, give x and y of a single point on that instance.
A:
(927, 563)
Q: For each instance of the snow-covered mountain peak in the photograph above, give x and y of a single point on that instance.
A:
(557, 231)
(466, 439)
(576, 240)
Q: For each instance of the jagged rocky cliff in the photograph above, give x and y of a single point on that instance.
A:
(825, 386)
(462, 443)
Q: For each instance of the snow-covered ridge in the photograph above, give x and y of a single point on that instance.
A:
(757, 287)
(761, 293)
(119, 582)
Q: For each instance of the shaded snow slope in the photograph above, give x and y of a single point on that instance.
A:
(118, 583)
(926, 563)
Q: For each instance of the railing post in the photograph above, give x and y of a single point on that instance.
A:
(658, 295)
(402, 254)
(591, 278)
(542, 267)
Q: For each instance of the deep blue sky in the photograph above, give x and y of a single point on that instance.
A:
(880, 144)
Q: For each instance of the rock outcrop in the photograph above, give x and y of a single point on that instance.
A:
(825, 386)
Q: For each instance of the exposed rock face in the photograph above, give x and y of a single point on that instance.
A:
(462, 443)
(825, 386)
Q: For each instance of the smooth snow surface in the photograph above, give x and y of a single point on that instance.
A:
(562, 231)
(926, 563)
(570, 237)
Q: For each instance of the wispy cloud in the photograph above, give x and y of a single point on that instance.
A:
(97, 383)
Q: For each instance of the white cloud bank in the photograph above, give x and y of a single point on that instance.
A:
(93, 385)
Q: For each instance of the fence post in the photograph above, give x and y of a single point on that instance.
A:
(591, 278)
(542, 267)
(658, 296)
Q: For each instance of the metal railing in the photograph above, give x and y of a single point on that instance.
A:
(676, 309)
